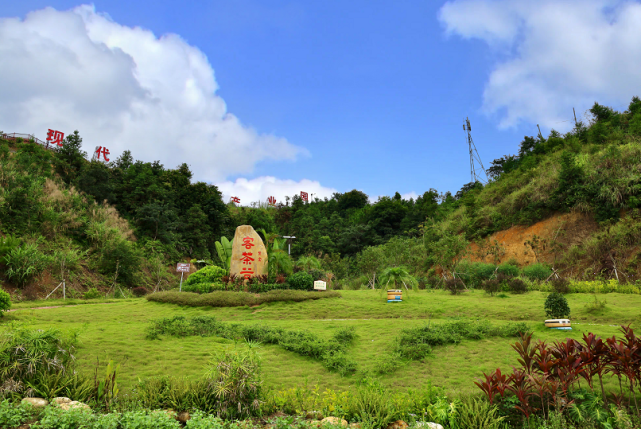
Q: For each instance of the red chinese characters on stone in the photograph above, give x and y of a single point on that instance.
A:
(248, 243)
(55, 137)
(247, 258)
(101, 150)
(304, 196)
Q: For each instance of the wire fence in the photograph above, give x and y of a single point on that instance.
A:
(27, 138)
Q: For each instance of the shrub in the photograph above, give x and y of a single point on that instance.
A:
(92, 293)
(475, 273)
(48, 352)
(508, 270)
(476, 413)
(12, 416)
(416, 343)
(208, 274)
(265, 287)
(5, 302)
(24, 263)
(140, 291)
(517, 286)
(237, 299)
(237, 382)
(345, 335)
(561, 285)
(455, 286)
(537, 272)
(491, 286)
(202, 288)
(300, 281)
(556, 306)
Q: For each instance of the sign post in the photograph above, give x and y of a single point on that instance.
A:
(320, 285)
(182, 269)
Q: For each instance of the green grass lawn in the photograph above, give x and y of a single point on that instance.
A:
(116, 330)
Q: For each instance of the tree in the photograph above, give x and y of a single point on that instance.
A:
(369, 262)
(70, 158)
(398, 276)
(95, 180)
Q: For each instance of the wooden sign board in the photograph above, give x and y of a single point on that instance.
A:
(320, 285)
(183, 268)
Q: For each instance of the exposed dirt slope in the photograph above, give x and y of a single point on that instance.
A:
(563, 229)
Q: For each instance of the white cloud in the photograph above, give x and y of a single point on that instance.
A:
(261, 188)
(554, 55)
(124, 88)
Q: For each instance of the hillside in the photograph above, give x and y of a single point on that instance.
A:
(570, 201)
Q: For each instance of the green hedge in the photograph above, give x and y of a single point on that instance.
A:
(237, 299)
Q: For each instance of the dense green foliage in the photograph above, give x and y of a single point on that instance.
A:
(556, 306)
(332, 353)
(300, 281)
(416, 343)
(207, 275)
(5, 302)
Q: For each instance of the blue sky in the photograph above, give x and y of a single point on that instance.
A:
(374, 93)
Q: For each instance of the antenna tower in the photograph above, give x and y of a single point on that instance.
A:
(474, 154)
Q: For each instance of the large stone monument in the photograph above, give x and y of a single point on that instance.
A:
(248, 253)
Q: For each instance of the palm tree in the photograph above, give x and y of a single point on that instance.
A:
(398, 276)
(308, 263)
(280, 263)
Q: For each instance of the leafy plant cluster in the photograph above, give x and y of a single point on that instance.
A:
(543, 384)
(332, 353)
(417, 343)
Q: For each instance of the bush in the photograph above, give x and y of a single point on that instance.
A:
(300, 281)
(140, 291)
(202, 288)
(237, 299)
(475, 273)
(92, 293)
(265, 287)
(12, 416)
(416, 343)
(455, 286)
(237, 382)
(537, 272)
(491, 286)
(508, 270)
(24, 263)
(208, 274)
(561, 285)
(5, 302)
(556, 306)
(517, 286)
(48, 353)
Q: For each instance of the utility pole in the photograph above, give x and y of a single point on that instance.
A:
(474, 154)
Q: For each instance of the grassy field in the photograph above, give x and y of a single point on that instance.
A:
(116, 330)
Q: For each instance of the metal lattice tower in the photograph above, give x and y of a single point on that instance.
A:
(474, 155)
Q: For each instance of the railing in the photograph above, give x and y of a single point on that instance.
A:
(27, 138)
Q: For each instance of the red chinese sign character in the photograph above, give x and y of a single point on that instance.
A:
(303, 196)
(271, 201)
(236, 200)
(247, 258)
(246, 272)
(101, 150)
(55, 137)
(248, 243)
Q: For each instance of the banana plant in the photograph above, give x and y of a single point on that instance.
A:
(223, 247)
